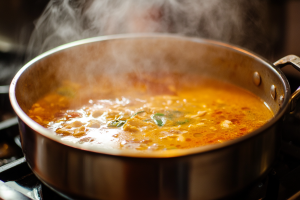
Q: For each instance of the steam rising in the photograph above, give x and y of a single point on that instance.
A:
(231, 21)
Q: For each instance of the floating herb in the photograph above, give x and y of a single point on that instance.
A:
(159, 114)
(157, 119)
(182, 122)
(159, 122)
(137, 113)
(116, 123)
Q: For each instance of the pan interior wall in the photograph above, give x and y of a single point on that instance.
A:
(116, 58)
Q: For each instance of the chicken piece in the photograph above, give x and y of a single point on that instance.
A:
(73, 114)
(38, 110)
(212, 128)
(79, 131)
(195, 127)
(77, 124)
(124, 115)
(94, 124)
(97, 113)
(135, 121)
(140, 117)
(113, 114)
(66, 125)
(181, 138)
(128, 127)
(199, 114)
(225, 124)
(63, 131)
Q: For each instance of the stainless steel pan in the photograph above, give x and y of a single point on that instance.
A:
(208, 172)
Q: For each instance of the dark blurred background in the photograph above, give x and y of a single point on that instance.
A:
(279, 35)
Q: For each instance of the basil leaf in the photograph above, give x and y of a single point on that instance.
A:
(158, 114)
(159, 122)
(137, 113)
(116, 123)
(157, 119)
(182, 122)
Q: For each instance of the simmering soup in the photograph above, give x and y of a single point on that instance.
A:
(150, 112)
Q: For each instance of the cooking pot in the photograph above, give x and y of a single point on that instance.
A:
(208, 172)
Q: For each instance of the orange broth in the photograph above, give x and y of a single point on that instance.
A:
(151, 114)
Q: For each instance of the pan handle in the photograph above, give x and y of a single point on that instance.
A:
(295, 62)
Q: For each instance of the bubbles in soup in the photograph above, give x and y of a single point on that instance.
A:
(150, 113)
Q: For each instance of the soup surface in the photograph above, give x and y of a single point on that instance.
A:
(150, 112)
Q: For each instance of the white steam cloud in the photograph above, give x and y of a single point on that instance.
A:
(63, 21)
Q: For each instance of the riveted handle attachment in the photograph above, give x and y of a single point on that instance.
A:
(295, 62)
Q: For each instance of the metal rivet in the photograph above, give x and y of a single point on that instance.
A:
(273, 91)
(281, 99)
(256, 78)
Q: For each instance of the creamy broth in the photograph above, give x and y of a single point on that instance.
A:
(150, 113)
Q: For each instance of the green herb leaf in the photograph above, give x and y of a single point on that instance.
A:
(182, 122)
(159, 122)
(157, 119)
(121, 123)
(116, 123)
(137, 113)
(159, 114)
